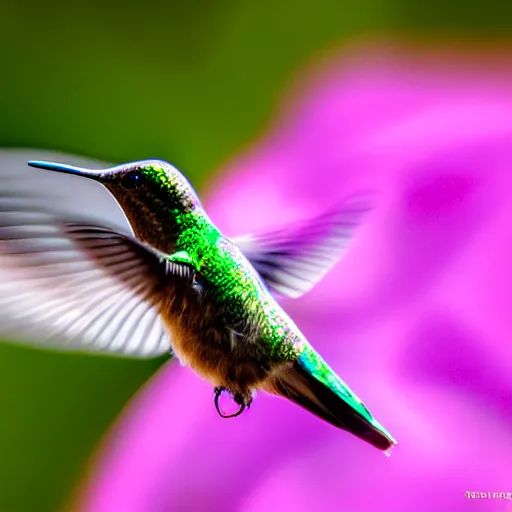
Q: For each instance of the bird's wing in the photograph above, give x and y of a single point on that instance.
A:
(74, 285)
(293, 259)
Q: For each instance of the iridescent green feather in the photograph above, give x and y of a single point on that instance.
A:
(234, 281)
(316, 366)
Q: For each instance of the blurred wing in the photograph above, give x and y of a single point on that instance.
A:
(77, 286)
(293, 259)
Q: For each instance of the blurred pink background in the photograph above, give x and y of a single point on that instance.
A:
(416, 318)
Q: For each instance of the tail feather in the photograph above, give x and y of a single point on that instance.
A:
(344, 410)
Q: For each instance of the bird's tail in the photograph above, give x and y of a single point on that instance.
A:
(310, 383)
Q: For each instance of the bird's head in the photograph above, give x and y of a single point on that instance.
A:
(151, 193)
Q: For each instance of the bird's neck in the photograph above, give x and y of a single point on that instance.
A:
(170, 228)
(198, 237)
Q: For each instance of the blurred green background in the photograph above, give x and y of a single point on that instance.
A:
(190, 82)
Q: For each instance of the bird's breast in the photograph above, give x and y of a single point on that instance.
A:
(201, 336)
(220, 346)
(190, 351)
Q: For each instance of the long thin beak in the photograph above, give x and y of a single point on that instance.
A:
(94, 174)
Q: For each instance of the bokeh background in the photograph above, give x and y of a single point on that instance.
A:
(198, 83)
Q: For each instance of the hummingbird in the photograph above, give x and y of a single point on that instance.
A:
(176, 285)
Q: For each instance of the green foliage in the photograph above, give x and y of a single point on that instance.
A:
(55, 407)
(184, 81)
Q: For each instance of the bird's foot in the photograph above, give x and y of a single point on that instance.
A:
(244, 401)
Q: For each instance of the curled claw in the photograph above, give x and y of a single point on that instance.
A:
(237, 398)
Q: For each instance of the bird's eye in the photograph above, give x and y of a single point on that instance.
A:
(131, 179)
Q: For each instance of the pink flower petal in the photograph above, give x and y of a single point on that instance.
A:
(416, 318)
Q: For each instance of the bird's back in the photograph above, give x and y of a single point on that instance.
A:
(228, 309)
